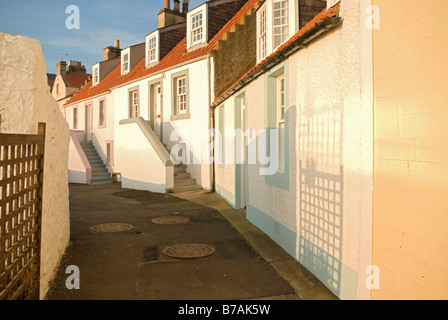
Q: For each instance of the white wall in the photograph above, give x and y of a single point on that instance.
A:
(25, 100)
(79, 169)
(196, 127)
(327, 113)
(100, 135)
(140, 165)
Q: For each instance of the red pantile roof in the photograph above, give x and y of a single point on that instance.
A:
(332, 12)
(175, 57)
(76, 80)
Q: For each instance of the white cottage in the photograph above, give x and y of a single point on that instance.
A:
(306, 172)
(157, 117)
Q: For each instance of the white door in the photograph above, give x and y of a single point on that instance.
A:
(243, 166)
(158, 110)
(89, 122)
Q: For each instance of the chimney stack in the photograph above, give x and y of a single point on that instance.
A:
(112, 52)
(61, 68)
(168, 17)
(185, 6)
(76, 66)
(177, 5)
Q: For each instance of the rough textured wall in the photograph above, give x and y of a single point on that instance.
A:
(170, 37)
(219, 13)
(25, 100)
(411, 150)
(308, 10)
(236, 55)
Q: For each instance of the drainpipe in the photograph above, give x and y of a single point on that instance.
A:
(211, 123)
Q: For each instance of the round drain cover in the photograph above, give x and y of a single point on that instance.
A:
(112, 227)
(189, 251)
(170, 220)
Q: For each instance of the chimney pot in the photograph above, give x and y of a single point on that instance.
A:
(167, 4)
(185, 6)
(117, 43)
(177, 5)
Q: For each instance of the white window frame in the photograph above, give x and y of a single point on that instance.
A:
(293, 25)
(96, 75)
(281, 99)
(102, 114)
(262, 40)
(197, 28)
(283, 24)
(181, 97)
(281, 109)
(125, 65)
(134, 102)
(155, 51)
(75, 118)
(203, 9)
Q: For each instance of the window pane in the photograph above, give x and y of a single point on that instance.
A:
(281, 21)
(262, 41)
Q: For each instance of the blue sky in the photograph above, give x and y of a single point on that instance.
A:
(101, 22)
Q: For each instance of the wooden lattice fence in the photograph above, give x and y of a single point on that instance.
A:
(21, 182)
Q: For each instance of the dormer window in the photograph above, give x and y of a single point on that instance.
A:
(125, 63)
(152, 48)
(96, 75)
(277, 21)
(281, 22)
(197, 27)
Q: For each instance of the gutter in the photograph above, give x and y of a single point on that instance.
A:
(302, 41)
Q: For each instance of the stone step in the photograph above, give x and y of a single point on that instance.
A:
(185, 188)
(100, 176)
(97, 161)
(182, 175)
(184, 182)
(180, 168)
(100, 170)
(100, 181)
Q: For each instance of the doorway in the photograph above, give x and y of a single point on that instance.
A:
(88, 122)
(155, 112)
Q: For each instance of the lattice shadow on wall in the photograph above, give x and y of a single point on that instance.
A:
(321, 214)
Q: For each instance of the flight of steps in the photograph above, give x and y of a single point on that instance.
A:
(100, 174)
(182, 179)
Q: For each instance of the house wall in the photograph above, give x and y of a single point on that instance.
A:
(232, 59)
(100, 135)
(194, 129)
(25, 100)
(225, 178)
(411, 147)
(315, 210)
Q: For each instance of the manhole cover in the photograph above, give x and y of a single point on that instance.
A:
(189, 251)
(112, 227)
(170, 220)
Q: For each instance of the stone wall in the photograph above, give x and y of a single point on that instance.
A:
(236, 54)
(25, 100)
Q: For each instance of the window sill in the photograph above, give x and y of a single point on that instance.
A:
(197, 46)
(183, 116)
(152, 64)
